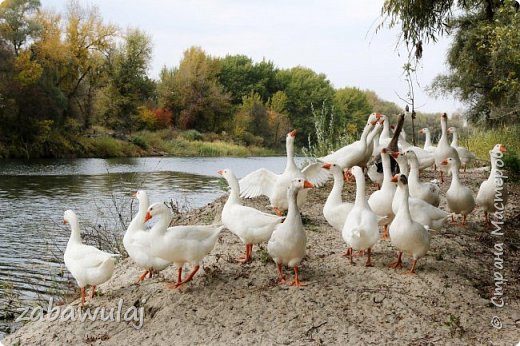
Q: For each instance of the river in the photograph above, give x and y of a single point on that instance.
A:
(34, 194)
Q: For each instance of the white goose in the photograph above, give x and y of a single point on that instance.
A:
(406, 234)
(385, 137)
(465, 155)
(87, 264)
(428, 140)
(460, 198)
(274, 186)
(420, 211)
(372, 137)
(137, 241)
(351, 154)
(492, 187)
(251, 225)
(360, 230)
(376, 146)
(380, 201)
(444, 149)
(288, 241)
(425, 158)
(428, 192)
(180, 244)
(335, 210)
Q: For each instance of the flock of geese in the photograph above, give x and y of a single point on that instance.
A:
(405, 206)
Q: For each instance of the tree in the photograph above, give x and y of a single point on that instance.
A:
(351, 108)
(129, 86)
(482, 60)
(17, 22)
(304, 88)
(194, 95)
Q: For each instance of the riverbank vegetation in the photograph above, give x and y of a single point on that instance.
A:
(73, 85)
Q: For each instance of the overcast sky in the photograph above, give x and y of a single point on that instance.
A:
(334, 37)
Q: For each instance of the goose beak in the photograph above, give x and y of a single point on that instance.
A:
(307, 185)
(148, 216)
(65, 222)
(502, 148)
(220, 172)
(134, 194)
(395, 178)
(421, 131)
(326, 166)
(395, 154)
(378, 116)
(292, 133)
(373, 123)
(445, 162)
(382, 122)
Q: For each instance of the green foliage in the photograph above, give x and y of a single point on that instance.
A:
(328, 136)
(351, 107)
(140, 142)
(192, 135)
(304, 88)
(17, 22)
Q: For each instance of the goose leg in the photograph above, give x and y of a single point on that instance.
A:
(397, 263)
(486, 218)
(93, 292)
(412, 269)
(82, 296)
(369, 262)
(281, 277)
(464, 219)
(245, 257)
(142, 277)
(296, 281)
(385, 235)
(442, 176)
(190, 277)
(349, 255)
(179, 279)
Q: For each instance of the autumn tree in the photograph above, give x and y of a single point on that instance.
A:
(17, 22)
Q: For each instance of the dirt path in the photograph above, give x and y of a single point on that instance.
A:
(447, 302)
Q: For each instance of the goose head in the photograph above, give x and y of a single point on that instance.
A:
(291, 135)
(156, 209)
(69, 217)
(450, 162)
(400, 179)
(334, 168)
(356, 172)
(499, 148)
(141, 196)
(374, 118)
(452, 129)
(225, 173)
(424, 130)
(298, 184)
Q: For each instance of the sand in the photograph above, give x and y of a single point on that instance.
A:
(446, 302)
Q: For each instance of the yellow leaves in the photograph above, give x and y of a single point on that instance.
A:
(29, 72)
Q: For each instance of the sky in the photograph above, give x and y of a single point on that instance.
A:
(334, 37)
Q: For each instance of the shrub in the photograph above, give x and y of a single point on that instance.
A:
(191, 135)
(140, 142)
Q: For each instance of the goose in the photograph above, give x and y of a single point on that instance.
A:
(274, 186)
(137, 241)
(493, 187)
(380, 201)
(406, 234)
(425, 158)
(87, 264)
(251, 225)
(428, 140)
(460, 198)
(288, 241)
(465, 155)
(360, 230)
(376, 146)
(351, 154)
(420, 211)
(428, 192)
(180, 244)
(335, 210)
(377, 177)
(444, 150)
(385, 137)
(371, 139)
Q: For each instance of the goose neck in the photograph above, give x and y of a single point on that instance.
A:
(337, 188)
(360, 192)
(455, 140)
(444, 132)
(162, 224)
(290, 154)
(75, 234)
(428, 139)
(293, 213)
(404, 207)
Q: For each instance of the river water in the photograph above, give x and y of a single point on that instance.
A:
(34, 194)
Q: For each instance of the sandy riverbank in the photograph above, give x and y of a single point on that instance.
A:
(447, 302)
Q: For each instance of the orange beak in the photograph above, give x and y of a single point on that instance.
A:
(307, 184)
(292, 133)
(65, 222)
(220, 172)
(395, 154)
(373, 122)
(395, 178)
(147, 217)
(421, 131)
(382, 121)
(378, 116)
(134, 194)
(502, 148)
(445, 162)
(326, 166)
